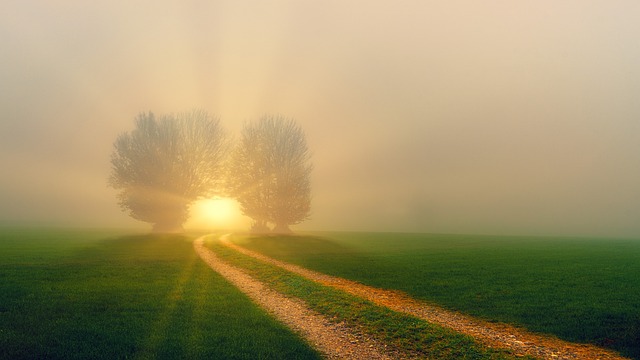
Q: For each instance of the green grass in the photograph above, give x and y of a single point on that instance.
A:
(405, 332)
(583, 290)
(71, 294)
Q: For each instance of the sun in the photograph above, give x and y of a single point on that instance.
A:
(216, 213)
(220, 210)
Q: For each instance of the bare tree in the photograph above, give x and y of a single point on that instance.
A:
(270, 171)
(166, 163)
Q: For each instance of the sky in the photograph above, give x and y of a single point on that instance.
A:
(460, 116)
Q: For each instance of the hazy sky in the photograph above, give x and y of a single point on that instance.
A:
(510, 117)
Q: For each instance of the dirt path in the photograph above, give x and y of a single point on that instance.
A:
(494, 335)
(333, 340)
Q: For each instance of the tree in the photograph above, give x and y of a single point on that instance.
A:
(270, 171)
(166, 163)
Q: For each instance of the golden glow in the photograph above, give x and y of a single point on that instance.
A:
(467, 118)
(216, 213)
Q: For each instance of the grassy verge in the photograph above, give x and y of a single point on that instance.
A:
(70, 294)
(581, 290)
(399, 330)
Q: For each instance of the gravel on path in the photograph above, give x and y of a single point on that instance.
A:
(333, 340)
(495, 335)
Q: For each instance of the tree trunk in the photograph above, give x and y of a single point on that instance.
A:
(259, 227)
(282, 229)
(167, 228)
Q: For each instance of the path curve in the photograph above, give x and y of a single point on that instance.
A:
(520, 341)
(332, 340)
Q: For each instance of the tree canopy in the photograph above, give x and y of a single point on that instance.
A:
(166, 163)
(270, 173)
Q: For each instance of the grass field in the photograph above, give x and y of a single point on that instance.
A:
(71, 294)
(583, 290)
(402, 332)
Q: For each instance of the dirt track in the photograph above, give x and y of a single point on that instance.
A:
(333, 340)
(494, 335)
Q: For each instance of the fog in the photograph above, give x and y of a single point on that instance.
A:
(493, 117)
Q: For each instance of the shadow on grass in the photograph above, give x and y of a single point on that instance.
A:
(145, 296)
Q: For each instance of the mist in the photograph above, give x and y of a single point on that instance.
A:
(491, 117)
